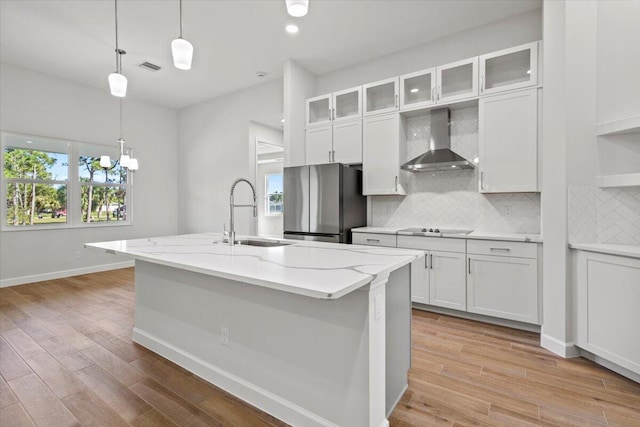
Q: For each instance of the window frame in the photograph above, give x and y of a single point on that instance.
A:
(267, 194)
(73, 183)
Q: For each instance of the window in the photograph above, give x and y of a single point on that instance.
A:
(43, 187)
(273, 194)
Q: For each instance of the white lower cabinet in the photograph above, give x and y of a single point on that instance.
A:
(447, 281)
(502, 280)
(442, 281)
(607, 299)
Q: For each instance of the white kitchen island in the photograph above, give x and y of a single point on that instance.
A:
(316, 334)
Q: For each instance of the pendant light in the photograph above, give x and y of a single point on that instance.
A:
(297, 8)
(117, 81)
(126, 161)
(181, 49)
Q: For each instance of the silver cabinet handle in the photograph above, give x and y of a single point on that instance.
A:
(481, 84)
(329, 114)
(500, 249)
(431, 259)
(439, 92)
(433, 94)
(333, 156)
(397, 106)
(396, 183)
(469, 259)
(334, 114)
(373, 240)
(329, 156)
(482, 180)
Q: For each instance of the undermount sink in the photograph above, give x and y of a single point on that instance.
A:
(263, 243)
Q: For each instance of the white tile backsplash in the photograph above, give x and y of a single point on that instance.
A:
(604, 215)
(451, 199)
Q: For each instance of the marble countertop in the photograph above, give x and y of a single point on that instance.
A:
(314, 269)
(480, 235)
(608, 248)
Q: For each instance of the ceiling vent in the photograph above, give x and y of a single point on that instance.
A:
(149, 66)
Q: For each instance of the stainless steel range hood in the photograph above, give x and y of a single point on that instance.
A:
(439, 157)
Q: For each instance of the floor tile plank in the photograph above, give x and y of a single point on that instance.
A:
(90, 410)
(41, 404)
(112, 392)
(15, 416)
(55, 376)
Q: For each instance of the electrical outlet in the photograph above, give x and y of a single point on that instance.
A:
(508, 210)
(77, 255)
(224, 336)
(378, 307)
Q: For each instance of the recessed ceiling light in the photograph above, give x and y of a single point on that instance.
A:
(415, 90)
(528, 71)
(282, 120)
(297, 8)
(29, 142)
(453, 166)
(476, 160)
(292, 29)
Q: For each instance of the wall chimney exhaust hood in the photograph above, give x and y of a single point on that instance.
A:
(439, 157)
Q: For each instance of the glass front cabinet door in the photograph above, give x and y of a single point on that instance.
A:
(458, 80)
(381, 97)
(319, 110)
(417, 89)
(512, 68)
(347, 104)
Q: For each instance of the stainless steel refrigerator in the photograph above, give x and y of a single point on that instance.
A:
(323, 202)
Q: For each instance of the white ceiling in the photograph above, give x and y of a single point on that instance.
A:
(233, 39)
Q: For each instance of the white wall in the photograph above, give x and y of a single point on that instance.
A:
(37, 104)
(299, 84)
(214, 149)
(509, 32)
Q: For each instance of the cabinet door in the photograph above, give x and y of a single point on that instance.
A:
(512, 68)
(505, 287)
(381, 97)
(347, 142)
(420, 280)
(458, 80)
(607, 297)
(417, 89)
(319, 145)
(347, 104)
(508, 142)
(318, 110)
(447, 280)
(381, 153)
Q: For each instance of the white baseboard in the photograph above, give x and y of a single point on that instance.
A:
(561, 348)
(249, 392)
(14, 281)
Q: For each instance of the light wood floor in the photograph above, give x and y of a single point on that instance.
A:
(66, 358)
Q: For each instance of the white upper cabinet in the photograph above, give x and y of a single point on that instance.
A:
(381, 97)
(347, 104)
(383, 151)
(457, 80)
(508, 142)
(418, 89)
(319, 145)
(512, 68)
(347, 142)
(319, 110)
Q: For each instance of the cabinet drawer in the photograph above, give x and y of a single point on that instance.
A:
(515, 249)
(374, 239)
(431, 243)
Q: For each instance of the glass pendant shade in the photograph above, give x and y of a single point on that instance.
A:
(297, 8)
(125, 161)
(118, 84)
(182, 52)
(105, 162)
(133, 165)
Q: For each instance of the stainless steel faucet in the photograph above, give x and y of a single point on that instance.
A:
(232, 231)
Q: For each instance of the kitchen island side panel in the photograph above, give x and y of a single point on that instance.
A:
(310, 356)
